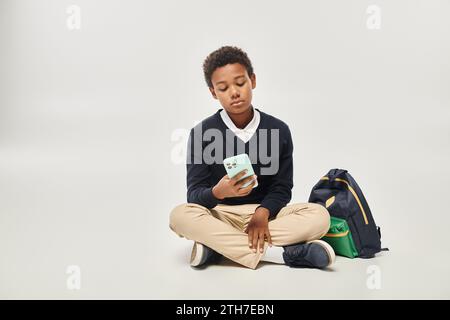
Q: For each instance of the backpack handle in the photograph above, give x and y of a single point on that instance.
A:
(335, 173)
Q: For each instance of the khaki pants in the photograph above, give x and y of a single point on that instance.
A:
(222, 227)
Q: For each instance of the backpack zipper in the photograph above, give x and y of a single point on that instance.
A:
(337, 235)
(354, 195)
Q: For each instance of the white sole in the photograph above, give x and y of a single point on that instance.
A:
(197, 254)
(328, 249)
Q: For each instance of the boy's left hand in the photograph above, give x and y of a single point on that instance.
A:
(258, 229)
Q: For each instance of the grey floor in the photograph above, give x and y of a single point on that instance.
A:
(108, 212)
(166, 275)
(346, 279)
(53, 220)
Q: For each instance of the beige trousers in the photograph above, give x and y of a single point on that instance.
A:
(222, 227)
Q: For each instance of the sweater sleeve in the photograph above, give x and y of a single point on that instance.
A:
(199, 188)
(280, 190)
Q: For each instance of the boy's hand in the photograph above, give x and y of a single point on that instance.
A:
(230, 187)
(258, 229)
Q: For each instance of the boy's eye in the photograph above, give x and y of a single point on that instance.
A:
(225, 89)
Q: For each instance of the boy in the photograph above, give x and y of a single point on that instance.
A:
(253, 223)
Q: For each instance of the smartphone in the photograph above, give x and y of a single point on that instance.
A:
(235, 164)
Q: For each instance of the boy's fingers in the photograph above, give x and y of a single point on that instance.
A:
(245, 191)
(255, 241)
(247, 188)
(269, 237)
(261, 242)
(250, 238)
(237, 177)
(243, 181)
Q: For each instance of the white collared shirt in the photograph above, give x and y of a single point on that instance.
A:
(246, 133)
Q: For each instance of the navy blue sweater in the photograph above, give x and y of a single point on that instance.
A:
(273, 166)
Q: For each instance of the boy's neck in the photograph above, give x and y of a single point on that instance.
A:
(243, 119)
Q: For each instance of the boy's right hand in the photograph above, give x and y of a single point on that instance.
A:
(230, 187)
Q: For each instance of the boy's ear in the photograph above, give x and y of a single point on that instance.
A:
(213, 92)
(253, 79)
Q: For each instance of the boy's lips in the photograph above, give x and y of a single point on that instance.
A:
(237, 103)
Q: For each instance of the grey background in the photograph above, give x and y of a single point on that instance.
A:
(89, 123)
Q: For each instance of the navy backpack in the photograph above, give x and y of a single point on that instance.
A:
(353, 232)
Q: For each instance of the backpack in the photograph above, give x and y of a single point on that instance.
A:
(353, 232)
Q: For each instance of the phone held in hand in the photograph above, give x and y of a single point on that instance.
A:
(235, 164)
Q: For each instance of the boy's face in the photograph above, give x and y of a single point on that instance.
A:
(231, 84)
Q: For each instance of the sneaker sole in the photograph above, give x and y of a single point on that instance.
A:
(328, 249)
(197, 254)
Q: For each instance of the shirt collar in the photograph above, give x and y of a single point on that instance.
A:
(249, 128)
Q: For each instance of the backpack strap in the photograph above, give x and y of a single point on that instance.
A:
(379, 233)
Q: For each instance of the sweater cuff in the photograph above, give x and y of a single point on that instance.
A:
(211, 200)
(272, 206)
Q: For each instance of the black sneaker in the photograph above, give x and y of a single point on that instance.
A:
(202, 255)
(314, 254)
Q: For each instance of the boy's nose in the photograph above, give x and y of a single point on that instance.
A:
(234, 94)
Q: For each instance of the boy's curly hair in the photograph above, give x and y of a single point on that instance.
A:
(223, 56)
